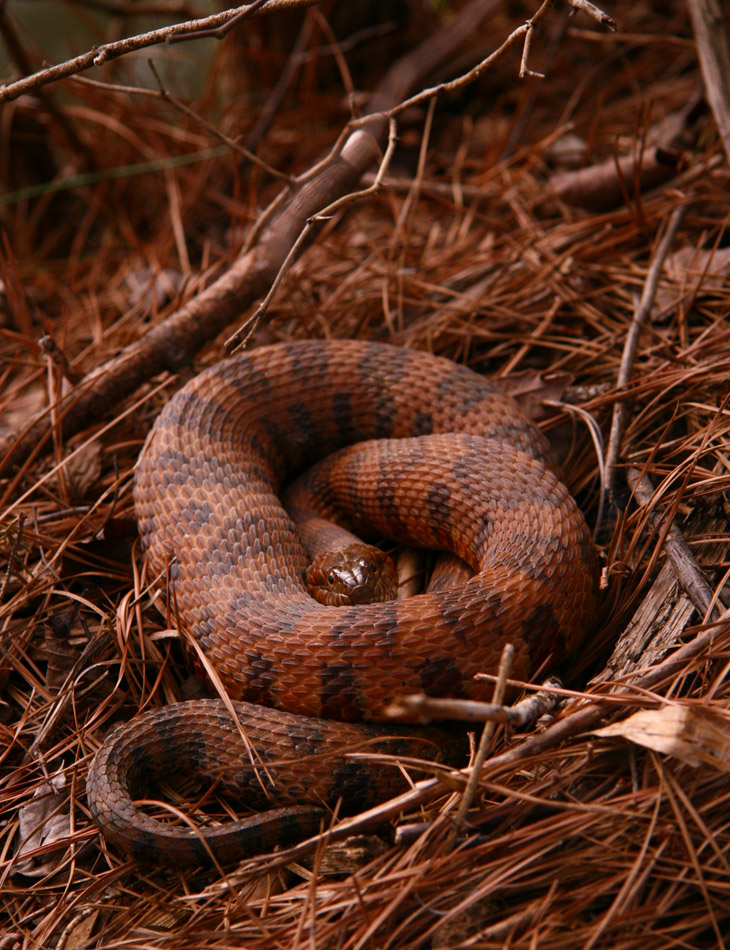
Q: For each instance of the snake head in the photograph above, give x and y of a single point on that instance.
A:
(357, 574)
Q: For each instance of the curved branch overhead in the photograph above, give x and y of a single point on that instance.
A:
(173, 343)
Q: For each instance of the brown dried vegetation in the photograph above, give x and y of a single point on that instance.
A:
(470, 250)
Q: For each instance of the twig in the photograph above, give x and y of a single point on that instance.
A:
(526, 112)
(522, 31)
(109, 51)
(595, 13)
(500, 687)
(525, 70)
(240, 338)
(454, 84)
(173, 343)
(219, 32)
(689, 573)
(632, 340)
(710, 27)
(422, 708)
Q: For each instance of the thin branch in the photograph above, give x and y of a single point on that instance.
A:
(525, 70)
(454, 84)
(500, 687)
(710, 27)
(418, 707)
(238, 340)
(173, 343)
(632, 341)
(689, 573)
(595, 13)
(99, 55)
(219, 32)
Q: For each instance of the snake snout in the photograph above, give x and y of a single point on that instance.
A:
(354, 575)
(361, 594)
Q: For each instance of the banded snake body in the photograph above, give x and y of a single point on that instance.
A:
(455, 466)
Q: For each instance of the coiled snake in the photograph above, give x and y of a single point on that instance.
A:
(456, 467)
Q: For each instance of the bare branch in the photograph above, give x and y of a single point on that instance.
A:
(500, 687)
(632, 339)
(595, 13)
(709, 23)
(173, 343)
(99, 55)
(218, 32)
(688, 571)
(418, 707)
(239, 339)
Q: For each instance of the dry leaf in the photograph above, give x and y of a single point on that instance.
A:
(45, 819)
(697, 735)
(531, 389)
(692, 271)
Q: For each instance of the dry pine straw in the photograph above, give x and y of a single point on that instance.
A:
(595, 843)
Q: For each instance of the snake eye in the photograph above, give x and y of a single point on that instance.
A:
(331, 580)
(371, 567)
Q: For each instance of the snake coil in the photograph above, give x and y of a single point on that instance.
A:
(455, 466)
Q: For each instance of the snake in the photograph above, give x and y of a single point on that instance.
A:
(400, 446)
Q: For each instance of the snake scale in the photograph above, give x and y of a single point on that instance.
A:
(454, 465)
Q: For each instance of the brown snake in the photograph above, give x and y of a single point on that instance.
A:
(457, 467)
